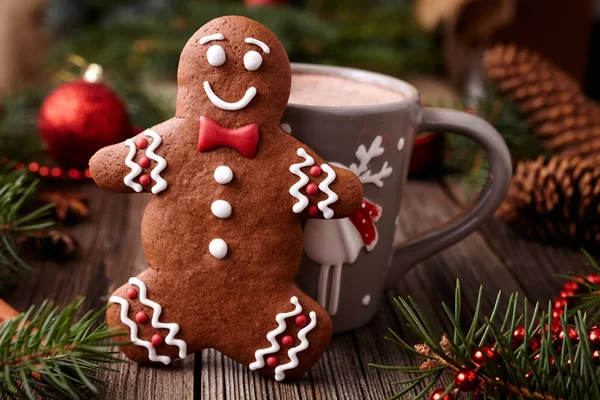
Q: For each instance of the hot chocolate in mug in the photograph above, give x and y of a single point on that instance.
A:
(367, 122)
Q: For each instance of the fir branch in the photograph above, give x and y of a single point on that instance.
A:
(47, 352)
(15, 190)
(529, 353)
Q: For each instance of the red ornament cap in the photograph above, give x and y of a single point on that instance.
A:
(141, 317)
(272, 361)
(315, 170)
(144, 162)
(313, 210)
(287, 340)
(466, 379)
(132, 294)
(312, 189)
(301, 320)
(156, 340)
(141, 143)
(145, 180)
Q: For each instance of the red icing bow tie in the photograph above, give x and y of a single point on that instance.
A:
(212, 136)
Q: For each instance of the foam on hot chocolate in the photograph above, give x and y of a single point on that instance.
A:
(330, 90)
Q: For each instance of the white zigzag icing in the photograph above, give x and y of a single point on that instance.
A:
(135, 168)
(293, 363)
(161, 184)
(134, 332)
(332, 197)
(280, 318)
(172, 327)
(295, 190)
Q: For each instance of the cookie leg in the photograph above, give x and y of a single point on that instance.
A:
(293, 337)
(137, 309)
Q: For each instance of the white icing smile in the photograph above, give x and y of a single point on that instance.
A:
(224, 105)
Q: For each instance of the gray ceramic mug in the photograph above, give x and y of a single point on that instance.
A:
(348, 263)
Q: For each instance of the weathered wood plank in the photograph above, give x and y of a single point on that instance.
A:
(110, 253)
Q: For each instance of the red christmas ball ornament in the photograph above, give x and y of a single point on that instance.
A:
(79, 118)
(466, 379)
(572, 332)
(557, 313)
(437, 395)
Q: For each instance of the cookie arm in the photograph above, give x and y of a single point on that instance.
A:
(131, 166)
(322, 190)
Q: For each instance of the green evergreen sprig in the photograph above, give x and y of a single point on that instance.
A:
(543, 365)
(47, 352)
(16, 188)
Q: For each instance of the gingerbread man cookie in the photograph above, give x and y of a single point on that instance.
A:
(223, 230)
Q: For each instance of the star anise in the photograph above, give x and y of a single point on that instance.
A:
(69, 207)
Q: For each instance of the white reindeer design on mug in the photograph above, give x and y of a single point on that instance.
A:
(333, 243)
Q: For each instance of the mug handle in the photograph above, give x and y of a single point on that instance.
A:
(489, 199)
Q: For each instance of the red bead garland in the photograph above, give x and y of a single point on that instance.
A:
(466, 379)
(50, 172)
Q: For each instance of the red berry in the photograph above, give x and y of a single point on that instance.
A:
(484, 355)
(145, 180)
(594, 337)
(301, 320)
(534, 344)
(141, 317)
(566, 293)
(141, 143)
(132, 294)
(571, 286)
(156, 340)
(287, 340)
(559, 303)
(144, 162)
(437, 395)
(315, 170)
(312, 189)
(272, 361)
(313, 210)
(595, 279)
(466, 379)
(519, 335)
(572, 332)
(557, 314)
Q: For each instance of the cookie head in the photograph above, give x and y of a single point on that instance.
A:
(235, 71)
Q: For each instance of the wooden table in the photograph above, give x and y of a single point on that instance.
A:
(111, 252)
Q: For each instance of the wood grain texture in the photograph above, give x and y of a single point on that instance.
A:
(111, 252)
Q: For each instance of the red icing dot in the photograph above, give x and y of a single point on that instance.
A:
(272, 362)
(144, 162)
(141, 317)
(301, 320)
(313, 210)
(141, 143)
(315, 170)
(312, 189)
(156, 340)
(287, 340)
(145, 180)
(132, 293)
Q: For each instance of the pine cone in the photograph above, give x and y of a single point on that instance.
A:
(556, 199)
(557, 110)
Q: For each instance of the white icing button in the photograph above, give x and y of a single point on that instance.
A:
(218, 248)
(366, 300)
(221, 209)
(400, 144)
(286, 127)
(223, 175)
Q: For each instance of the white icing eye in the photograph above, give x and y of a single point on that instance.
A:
(252, 60)
(216, 55)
